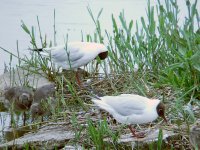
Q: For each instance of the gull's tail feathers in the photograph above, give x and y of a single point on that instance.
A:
(93, 93)
(101, 103)
(41, 51)
(36, 49)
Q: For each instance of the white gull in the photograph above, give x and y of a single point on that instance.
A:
(132, 109)
(75, 54)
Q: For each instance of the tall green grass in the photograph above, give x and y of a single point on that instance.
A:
(98, 133)
(164, 52)
(167, 49)
(37, 62)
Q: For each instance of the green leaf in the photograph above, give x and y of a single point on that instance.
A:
(25, 28)
(160, 138)
(195, 60)
(99, 14)
(144, 25)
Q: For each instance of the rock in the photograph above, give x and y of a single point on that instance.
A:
(69, 147)
(50, 136)
(10, 133)
(151, 136)
(18, 77)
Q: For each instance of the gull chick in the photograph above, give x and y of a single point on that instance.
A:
(74, 54)
(20, 99)
(44, 99)
(195, 135)
(132, 109)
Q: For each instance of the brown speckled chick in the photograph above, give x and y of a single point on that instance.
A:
(43, 100)
(195, 135)
(20, 99)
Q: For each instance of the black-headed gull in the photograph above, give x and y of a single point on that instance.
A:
(75, 54)
(194, 135)
(20, 99)
(41, 105)
(132, 109)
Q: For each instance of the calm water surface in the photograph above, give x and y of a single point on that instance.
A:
(72, 17)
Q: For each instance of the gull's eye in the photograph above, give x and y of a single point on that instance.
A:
(36, 113)
(161, 111)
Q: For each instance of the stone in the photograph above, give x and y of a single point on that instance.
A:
(19, 77)
(50, 136)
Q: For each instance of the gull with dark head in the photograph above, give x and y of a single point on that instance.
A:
(20, 99)
(74, 54)
(132, 109)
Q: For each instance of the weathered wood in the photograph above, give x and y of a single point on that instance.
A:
(49, 136)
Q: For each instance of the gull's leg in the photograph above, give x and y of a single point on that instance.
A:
(32, 119)
(138, 135)
(77, 79)
(132, 130)
(24, 118)
(96, 68)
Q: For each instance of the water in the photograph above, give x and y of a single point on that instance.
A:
(72, 17)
